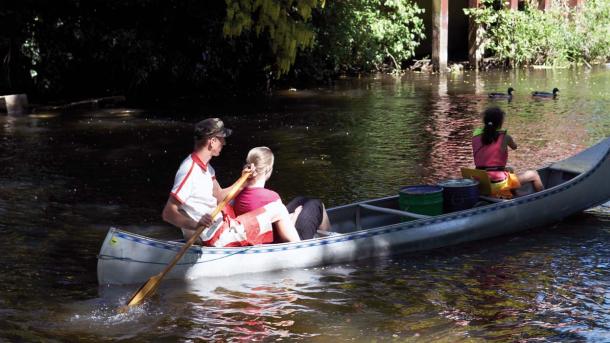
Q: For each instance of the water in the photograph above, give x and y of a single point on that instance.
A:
(66, 178)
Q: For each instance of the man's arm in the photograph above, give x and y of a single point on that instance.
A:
(173, 215)
(221, 193)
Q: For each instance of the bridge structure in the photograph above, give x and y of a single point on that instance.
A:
(442, 11)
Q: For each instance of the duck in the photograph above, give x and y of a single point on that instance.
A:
(507, 95)
(540, 94)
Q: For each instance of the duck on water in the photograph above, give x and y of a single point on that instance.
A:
(539, 94)
(507, 95)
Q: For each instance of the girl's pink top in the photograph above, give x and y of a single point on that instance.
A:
(251, 198)
(491, 155)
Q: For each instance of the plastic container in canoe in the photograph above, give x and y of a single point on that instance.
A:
(459, 194)
(421, 199)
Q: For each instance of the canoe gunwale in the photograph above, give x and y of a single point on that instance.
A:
(365, 233)
(444, 225)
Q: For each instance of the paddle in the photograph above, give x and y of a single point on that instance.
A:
(148, 289)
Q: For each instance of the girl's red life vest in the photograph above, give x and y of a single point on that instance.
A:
(490, 156)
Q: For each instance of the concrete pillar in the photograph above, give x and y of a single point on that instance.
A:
(440, 34)
(544, 5)
(475, 50)
(14, 104)
(479, 84)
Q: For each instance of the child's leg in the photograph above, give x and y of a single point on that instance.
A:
(531, 176)
(310, 219)
(294, 207)
(325, 225)
(296, 202)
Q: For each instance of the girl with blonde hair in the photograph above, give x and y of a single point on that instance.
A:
(307, 215)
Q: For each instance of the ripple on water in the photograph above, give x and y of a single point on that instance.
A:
(364, 138)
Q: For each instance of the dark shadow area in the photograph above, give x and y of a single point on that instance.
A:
(457, 45)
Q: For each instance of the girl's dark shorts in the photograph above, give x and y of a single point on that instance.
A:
(310, 218)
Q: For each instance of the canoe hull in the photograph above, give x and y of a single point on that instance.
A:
(127, 258)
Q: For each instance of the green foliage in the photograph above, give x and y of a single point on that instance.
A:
(284, 22)
(140, 48)
(192, 48)
(363, 34)
(593, 30)
(559, 36)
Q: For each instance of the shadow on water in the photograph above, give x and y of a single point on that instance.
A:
(541, 284)
(67, 178)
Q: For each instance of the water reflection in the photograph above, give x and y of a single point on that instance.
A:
(546, 284)
(67, 178)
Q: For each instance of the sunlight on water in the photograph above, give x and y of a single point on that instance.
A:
(66, 180)
(107, 315)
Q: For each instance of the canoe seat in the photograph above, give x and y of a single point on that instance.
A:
(491, 199)
(566, 167)
(481, 176)
(324, 233)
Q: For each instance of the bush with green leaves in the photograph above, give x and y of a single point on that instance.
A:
(364, 34)
(559, 36)
(286, 25)
(593, 30)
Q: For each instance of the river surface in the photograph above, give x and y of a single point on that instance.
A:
(65, 178)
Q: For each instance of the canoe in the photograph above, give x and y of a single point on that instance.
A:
(371, 229)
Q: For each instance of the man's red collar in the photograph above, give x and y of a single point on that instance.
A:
(199, 162)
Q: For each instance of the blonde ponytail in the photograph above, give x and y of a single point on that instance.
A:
(262, 158)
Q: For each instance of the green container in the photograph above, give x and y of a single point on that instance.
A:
(421, 199)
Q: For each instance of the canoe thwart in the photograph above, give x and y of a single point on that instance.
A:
(491, 199)
(393, 211)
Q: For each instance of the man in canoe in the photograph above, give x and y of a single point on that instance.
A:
(490, 151)
(196, 193)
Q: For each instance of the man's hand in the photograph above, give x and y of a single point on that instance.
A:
(206, 220)
(249, 168)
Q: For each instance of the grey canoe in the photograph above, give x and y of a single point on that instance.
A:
(372, 228)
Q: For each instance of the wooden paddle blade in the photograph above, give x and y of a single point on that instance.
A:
(151, 285)
(144, 292)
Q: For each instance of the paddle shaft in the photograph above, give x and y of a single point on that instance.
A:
(200, 229)
(148, 288)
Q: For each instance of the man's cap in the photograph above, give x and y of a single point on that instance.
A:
(211, 127)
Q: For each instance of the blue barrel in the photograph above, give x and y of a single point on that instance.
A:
(421, 199)
(459, 194)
